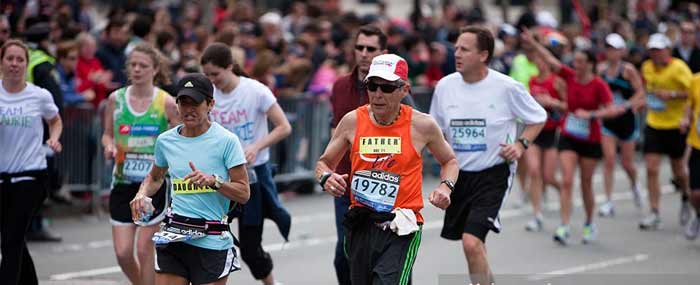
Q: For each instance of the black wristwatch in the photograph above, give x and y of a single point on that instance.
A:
(450, 184)
(322, 180)
(524, 142)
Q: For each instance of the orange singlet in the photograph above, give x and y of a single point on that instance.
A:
(387, 172)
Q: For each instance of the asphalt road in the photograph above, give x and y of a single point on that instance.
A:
(622, 254)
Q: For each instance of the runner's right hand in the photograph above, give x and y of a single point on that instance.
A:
(138, 205)
(110, 152)
(336, 184)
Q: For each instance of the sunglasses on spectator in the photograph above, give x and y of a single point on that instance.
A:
(386, 88)
(369, 48)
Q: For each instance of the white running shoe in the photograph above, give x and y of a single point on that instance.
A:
(651, 222)
(590, 233)
(693, 228)
(534, 225)
(561, 235)
(607, 209)
(637, 196)
(685, 213)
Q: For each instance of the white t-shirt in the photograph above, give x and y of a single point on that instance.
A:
(21, 131)
(243, 111)
(476, 118)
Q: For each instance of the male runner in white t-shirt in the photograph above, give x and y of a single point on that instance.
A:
(477, 108)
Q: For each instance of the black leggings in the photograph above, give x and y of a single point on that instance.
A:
(18, 203)
(259, 261)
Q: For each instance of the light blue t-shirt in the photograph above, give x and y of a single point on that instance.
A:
(214, 152)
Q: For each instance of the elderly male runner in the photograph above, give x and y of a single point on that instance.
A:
(385, 139)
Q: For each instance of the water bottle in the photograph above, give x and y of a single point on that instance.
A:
(145, 215)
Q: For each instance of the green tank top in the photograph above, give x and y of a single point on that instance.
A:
(135, 136)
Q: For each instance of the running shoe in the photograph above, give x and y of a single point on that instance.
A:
(534, 225)
(637, 196)
(607, 209)
(651, 222)
(590, 233)
(685, 213)
(693, 228)
(561, 235)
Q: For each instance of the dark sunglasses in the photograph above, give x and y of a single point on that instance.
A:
(369, 48)
(386, 88)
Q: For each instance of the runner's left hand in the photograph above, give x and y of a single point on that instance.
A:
(511, 152)
(199, 178)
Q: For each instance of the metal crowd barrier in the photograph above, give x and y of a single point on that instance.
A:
(295, 156)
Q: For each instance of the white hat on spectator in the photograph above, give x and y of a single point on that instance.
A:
(272, 18)
(616, 41)
(658, 41)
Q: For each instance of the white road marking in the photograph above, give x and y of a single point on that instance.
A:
(86, 273)
(590, 267)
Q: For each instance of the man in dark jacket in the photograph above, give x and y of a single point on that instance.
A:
(42, 72)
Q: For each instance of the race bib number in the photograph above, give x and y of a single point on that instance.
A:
(577, 127)
(181, 187)
(375, 189)
(137, 166)
(380, 145)
(655, 103)
(468, 134)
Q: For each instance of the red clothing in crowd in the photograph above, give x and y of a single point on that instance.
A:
(589, 96)
(83, 70)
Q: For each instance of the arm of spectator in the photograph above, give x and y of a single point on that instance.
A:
(541, 50)
(108, 129)
(281, 130)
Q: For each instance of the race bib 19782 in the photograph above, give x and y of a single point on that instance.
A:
(375, 189)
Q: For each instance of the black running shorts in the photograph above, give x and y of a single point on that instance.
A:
(582, 148)
(196, 264)
(122, 194)
(668, 142)
(694, 169)
(546, 139)
(476, 202)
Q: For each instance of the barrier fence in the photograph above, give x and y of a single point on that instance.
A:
(84, 169)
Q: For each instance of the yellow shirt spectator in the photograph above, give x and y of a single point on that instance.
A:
(676, 77)
(694, 100)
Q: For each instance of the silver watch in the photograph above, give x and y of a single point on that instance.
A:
(218, 181)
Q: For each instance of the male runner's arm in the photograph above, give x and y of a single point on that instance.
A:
(281, 130)
(441, 150)
(149, 187)
(340, 142)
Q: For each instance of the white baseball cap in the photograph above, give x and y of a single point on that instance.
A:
(616, 41)
(658, 41)
(388, 66)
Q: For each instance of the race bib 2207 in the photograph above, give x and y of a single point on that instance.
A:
(137, 166)
(468, 135)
